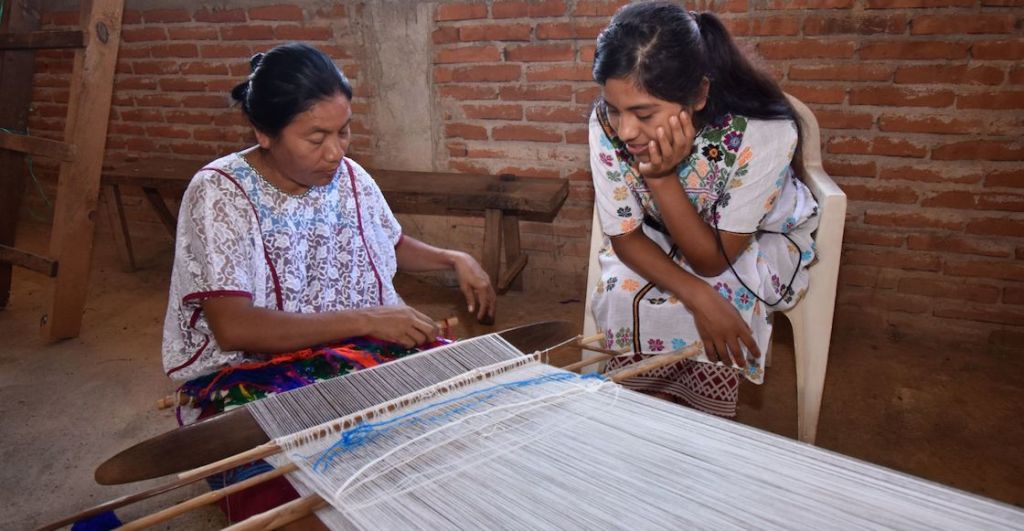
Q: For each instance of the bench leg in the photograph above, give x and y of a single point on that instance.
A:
(119, 226)
(515, 260)
(492, 243)
(166, 217)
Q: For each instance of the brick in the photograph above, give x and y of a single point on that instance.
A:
(182, 85)
(1017, 76)
(156, 100)
(188, 117)
(944, 289)
(883, 194)
(858, 235)
(959, 24)
(892, 259)
(848, 23)
(579, 135)
(979, 150)
(468, 54)
(145, 68)
(1006, 338)
(891, 4)
(1006, 99)
(206, 101)
(840, 119)
(958, 244)
(166, 16)
(914, 50)
(174, 50)
(569, 30)
(248, 32)
(912, 220)
(930, 174)
(774, 25)
(845, 168)
(445, 35)
(303, 33)
(148, 34)
(1005, 178)
(938, 124)
(468, 92)
(817, 93)
(467, 131)
(465, 11)
(996, 227)
(219, 15)
(804, 4)
(187, 33)
(204, 68)
(534, 92)
(999, 50)
(528, 133)
(587, 95)
(493, 112)
(494, 32)
(597, 8)
(126, 83)
(559, 73)
(281, 12)
(1012, 295)
(481, 73)
(528, 9)
(540, 53)
(807, 48)
(894, 147)
(901, 97)
(1007, 202)
(572, 115)
(1005, 316)
(949, 74)
(950, 199)
(840, 72)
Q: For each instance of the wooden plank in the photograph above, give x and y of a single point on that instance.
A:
(16, 68)
(78, 185)
(38, 40)
(492, 243)
(119, 226)
(533, 197)
(35, 145)
(164, 213)
(513, 254)
(35, 262)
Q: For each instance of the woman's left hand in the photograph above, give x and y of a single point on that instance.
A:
(670, 148)
(475, 285)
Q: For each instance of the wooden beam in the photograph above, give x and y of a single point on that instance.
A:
(513, 256)
(166, 217)
(35, 145)
(119, 226)
(492, 243)
(78, 185)
(35, 262)
(16, 69)
(38, 40)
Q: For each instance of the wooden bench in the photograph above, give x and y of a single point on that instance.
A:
(501, 199)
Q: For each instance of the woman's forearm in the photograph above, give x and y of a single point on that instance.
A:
(414, 255)
(642, 255)
(238, 325)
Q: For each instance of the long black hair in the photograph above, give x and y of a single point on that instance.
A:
(286, 81)
(668, 52)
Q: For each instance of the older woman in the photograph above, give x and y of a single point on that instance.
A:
(289, 245)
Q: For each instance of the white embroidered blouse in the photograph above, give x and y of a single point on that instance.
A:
(331, 249)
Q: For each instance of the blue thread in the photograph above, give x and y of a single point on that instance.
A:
(367, 432)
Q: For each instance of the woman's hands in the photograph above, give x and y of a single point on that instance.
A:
(721, 328)
(475, 285)
(670, 148)
(399, 324)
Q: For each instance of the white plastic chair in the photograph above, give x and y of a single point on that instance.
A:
(811, 317)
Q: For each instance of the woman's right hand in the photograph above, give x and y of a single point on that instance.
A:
(400, 324)
(721, 328)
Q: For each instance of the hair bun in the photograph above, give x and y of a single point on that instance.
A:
(255, 61)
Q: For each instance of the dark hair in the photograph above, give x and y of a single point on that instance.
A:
(668, 52)
(287, 81)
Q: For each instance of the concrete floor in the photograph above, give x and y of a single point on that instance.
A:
(955, 417)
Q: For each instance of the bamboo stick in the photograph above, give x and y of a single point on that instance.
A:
(281, 515)
(656, 362)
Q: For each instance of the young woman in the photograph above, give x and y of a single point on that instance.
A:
(697, 190)
(287, 246)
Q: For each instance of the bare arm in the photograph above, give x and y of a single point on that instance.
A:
(238, 325)
(414, 255)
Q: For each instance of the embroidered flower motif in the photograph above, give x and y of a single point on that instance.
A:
(724, 290)
(776, 283)
(624, 212)
(655, 345)
(656, 301)
(606, 159)
(722, 121)
(744, 157)
(628, 225)
(610, 283)
(702, 167)
(620, 193)
(609, 338)
(789, 224)
(630, 285)
(743, 299)
(678, 343)
(712, 152)
(732, 140)
(613, 176)
(623, 337)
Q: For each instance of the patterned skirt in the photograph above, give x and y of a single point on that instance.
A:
(709, 388)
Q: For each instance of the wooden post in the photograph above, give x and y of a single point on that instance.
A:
(492, 243)
(510, 228)
(119, 226)
(78, 185)
(16, 67)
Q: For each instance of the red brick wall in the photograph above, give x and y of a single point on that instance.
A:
(920, 103)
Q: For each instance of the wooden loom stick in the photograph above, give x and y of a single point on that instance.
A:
(281, 515)
(656, 362)
(206, 498)
(179, 399)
